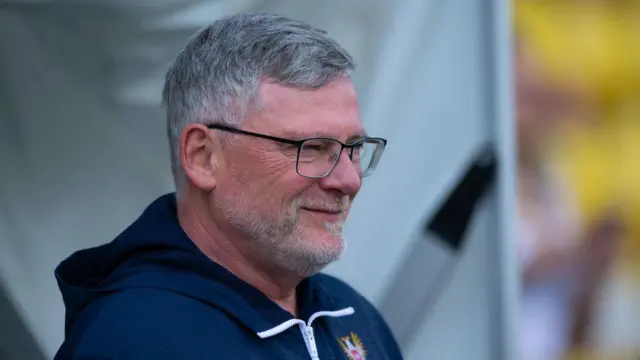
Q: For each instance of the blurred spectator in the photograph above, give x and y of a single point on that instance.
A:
(579, 80)
(555, 264)
(595, 46)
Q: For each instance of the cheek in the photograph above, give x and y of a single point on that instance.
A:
(270, 178)
(275, 165)
(257, 168)
(287, 189)
(273, 169)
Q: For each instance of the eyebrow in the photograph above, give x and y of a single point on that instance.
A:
(357, 136)
(299, 136)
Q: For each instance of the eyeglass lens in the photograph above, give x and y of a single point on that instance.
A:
(317, 157)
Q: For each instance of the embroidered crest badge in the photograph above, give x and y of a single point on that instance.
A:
(353, 347)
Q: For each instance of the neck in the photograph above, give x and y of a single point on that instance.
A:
(234, 253)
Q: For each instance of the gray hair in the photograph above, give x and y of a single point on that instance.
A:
(216, 76)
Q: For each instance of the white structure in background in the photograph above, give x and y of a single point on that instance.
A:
(83, 149)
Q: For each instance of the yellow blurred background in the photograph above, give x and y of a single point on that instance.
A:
(590, 49)
(596, 46)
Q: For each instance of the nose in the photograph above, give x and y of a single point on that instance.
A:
(343, 178)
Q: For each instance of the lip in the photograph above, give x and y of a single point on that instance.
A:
(326, 214)
(328, 211)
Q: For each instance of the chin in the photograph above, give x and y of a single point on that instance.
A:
(329, 246)
(327, 240)
(317, 259)
(311, 248)
(322, 248)
(309, 261)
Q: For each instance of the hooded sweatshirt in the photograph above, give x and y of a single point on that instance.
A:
(151, 294)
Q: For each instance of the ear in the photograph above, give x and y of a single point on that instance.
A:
(198, 155)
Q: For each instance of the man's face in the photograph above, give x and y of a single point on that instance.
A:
(295, 222)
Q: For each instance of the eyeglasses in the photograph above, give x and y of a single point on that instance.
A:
(318, 156)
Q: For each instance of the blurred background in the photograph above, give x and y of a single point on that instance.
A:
(578, 112)
(550, 268)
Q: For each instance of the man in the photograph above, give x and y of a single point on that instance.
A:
(268, 152)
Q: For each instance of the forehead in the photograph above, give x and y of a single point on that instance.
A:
(331, 110)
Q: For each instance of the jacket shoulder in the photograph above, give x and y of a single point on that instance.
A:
(148, 324)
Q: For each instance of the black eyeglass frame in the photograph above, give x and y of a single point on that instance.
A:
(300, 143)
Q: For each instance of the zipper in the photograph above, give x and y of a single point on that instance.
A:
(306, 329)
(310, 341)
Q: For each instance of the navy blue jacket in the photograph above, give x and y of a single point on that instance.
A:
(151, 294)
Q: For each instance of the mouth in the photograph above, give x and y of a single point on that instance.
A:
(331, 215)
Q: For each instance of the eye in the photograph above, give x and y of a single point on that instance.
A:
(288, 149)
(319, 145)
(316, 147)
